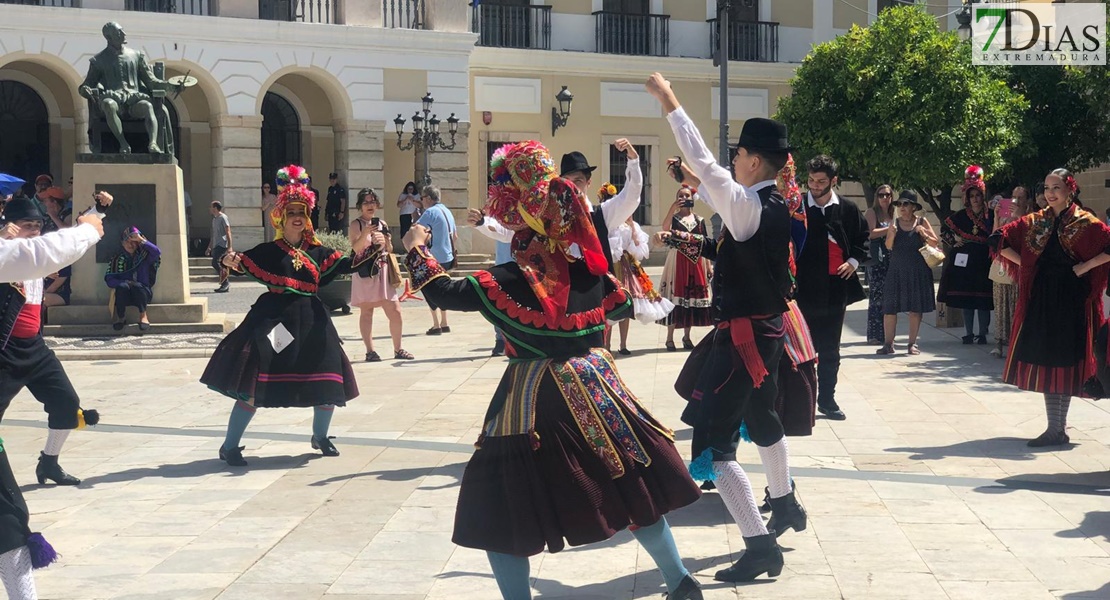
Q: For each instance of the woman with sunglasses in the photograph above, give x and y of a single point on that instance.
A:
(879, 218)
(909, 280)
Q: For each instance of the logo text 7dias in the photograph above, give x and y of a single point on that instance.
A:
(1035, 33)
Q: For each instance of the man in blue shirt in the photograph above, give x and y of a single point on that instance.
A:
(441, 222)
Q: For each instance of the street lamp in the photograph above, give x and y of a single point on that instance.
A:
(964, 19)
(559, 116)
(425, 133)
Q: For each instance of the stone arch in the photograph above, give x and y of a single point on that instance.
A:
(55, 84)
(338, 101)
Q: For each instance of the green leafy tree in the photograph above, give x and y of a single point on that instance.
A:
(1067, 122)
(899, 102)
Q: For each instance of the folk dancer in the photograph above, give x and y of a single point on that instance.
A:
(287, 352)
(548, 471)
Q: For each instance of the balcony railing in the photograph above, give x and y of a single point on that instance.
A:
(57, 3)
(512, 26)
(404, 14)
(752, 41)
(181, 7)
(304, 11)
(639, 34)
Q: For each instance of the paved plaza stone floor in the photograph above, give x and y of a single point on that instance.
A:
(926, 491)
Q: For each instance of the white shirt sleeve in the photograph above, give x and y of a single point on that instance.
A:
(739, 207)
(494, 230)
(618, 208)
(34, 258)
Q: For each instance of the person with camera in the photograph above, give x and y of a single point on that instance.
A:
(286, 352)
(567, 454)
(685, 280)
(375, 283)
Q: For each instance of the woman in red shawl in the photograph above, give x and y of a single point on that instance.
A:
(1058, 255)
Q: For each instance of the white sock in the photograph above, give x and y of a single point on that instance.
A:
(777, 466)
(55, 439)
(15, 572)
(736, 491)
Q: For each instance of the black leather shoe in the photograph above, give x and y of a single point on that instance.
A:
(1041, 441)
(325, 446)
(763, 555)
(981, 340)
(766, 506)
(968, 339)
(687, 590)
(708, 485)
(233, 457)
(49, 468)
(786, 513)
(834, 414)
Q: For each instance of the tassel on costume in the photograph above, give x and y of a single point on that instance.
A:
(87, 417)
(701, 468)
(743, 339)
(42, 553)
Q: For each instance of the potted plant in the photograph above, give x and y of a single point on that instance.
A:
(337, 294)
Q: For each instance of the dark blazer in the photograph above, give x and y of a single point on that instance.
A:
(817, 290)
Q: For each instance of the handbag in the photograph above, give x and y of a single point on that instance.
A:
(394, 270)
(999, 274)
(934, 257)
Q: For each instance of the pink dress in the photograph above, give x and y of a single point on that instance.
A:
(372, 290)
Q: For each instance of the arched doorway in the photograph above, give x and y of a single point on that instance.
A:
(281, 135)
(24, 131)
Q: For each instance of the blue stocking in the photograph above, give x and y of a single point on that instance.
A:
(511, 573)
(659, 543)
(321, 420)
(237, 423)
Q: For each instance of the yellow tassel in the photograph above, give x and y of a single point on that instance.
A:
(80, 419)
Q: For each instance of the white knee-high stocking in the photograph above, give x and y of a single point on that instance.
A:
(55, 439)
(736, 491)
(15, 572)
(776, 463)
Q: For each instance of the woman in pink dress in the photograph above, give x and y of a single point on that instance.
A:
(370, 287)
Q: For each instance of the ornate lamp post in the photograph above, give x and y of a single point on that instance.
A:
(425, 133)
(964, 19)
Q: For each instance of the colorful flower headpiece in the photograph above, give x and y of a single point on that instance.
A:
(293, 189)
(787, 183)
(973, 178)
(292, 174)
(606, 192)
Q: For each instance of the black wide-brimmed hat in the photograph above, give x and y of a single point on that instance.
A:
(574, 162)
(21, 208)
(764, 134)
(908, 197)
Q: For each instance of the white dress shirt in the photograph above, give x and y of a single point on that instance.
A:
(833, 201)
(618, 208)
(35, 258)
(494, 230)
(739, 206)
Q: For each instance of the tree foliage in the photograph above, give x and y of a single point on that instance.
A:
(899, 102)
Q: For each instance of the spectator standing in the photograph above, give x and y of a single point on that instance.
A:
(909, 279)
(439, 220)
(131, 275)
(269, 200)
(879, 218)
(371, 286)
(408, 203)
(965, 281)
(315, 216)
(1005, 294)
(336, 209)
(219, 244)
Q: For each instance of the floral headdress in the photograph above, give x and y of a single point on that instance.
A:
(606, 192)
(973, 178)
(787, 184)
(293, 182)
(549, 215)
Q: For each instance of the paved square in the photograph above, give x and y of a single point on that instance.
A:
(926, 491)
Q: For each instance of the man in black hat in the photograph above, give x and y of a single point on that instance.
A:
(336, 209)
(827, 283)
(26, 361)
(730, 374)
(608, 217)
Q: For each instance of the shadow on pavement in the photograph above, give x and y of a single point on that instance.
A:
(454, 470)
(1087, 484)
(196, 468)
(1009, 447)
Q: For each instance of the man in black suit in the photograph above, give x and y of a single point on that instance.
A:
(827, 283)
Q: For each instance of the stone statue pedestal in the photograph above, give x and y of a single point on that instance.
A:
(148, 194)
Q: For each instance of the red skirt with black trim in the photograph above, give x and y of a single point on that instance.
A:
(312, 370)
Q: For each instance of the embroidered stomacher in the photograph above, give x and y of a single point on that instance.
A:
(298, 286)
(423, 268)
(508, 306)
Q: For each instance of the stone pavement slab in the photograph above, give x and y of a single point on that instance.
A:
(926, 491)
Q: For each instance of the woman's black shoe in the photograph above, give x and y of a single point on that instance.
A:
(786, 513)
(687, 590)
(325, 446)
(118, 326)
(763, 555)
(50, 469)
(233, 457)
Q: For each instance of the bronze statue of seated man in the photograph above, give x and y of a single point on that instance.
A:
(122, 85)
